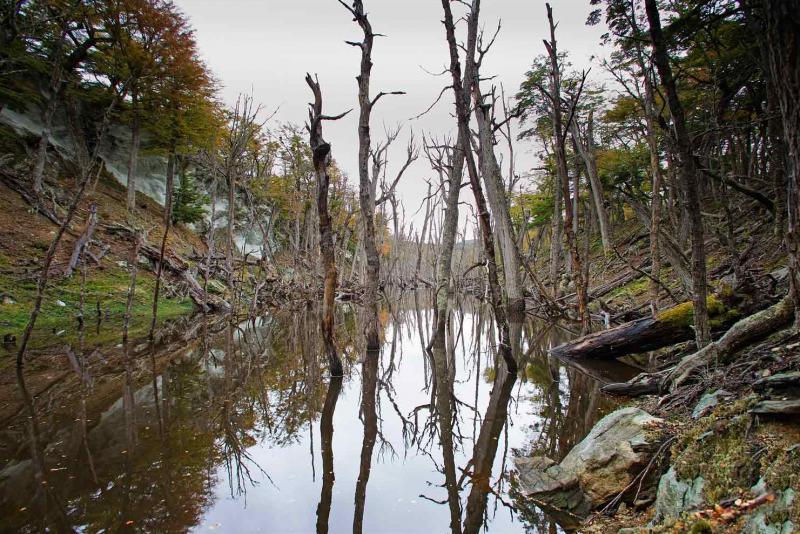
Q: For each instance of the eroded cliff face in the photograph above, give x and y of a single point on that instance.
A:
(115, 151)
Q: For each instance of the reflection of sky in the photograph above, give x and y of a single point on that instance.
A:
(393, 504)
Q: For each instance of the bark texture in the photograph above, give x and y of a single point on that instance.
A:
(687, 172)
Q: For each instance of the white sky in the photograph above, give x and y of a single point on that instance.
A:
(265, 47)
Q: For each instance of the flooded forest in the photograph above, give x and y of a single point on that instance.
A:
(400, 267)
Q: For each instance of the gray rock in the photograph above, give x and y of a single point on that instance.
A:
(675, 496)
(708, 402)
(597, 468)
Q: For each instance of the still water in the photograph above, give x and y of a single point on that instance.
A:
(237, 427)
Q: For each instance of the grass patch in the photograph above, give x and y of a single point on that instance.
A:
(61, 307)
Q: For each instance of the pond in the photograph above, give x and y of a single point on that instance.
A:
(237, 427)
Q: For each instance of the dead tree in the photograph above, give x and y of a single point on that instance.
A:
(560, 130)
(462, 89)
(687, 172)
(82, 242)
(366, 199)
(321, 155)
(242, 129)
(498, 200)
(585, 146)
(162, 251)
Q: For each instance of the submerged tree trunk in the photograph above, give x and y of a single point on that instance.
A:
(495, 193)
(484, 219)
(365, 196)
(688, 173)
(321, 155)
(454, 172)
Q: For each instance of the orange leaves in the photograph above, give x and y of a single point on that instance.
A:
(729, 512)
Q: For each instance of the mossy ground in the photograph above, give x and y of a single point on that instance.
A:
(25, 239)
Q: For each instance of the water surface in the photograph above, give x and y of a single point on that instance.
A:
(237, 427)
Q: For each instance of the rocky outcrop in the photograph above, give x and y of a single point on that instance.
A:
(675, 496)
(596, 470)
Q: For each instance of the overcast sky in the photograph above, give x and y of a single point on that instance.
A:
(265, 47)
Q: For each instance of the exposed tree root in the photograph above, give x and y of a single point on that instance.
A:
(741, 334)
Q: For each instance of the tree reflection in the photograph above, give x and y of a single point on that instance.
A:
(173, 424)
(369, 417)
(326, 433)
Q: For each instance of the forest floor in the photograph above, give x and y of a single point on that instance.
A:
(726, 446)
(27, 234)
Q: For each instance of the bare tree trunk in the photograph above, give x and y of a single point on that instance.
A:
(134, 154)
(322, 157)
(655, 206)
(44, 275)
(556, 235)
(688, 174)
(84, 239)
(462, 113)
(559, 140)
(54, 87)
(496, 194)
(231, 246)
(44, 142)
(586, 151)
(365, 196)
(782, 41)
(163, 249)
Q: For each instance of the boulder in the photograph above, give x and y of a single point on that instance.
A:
(675, 496)
(597, 469)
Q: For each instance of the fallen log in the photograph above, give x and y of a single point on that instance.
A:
(780, 382)
(777, 407)
(180, 270)
(644, 384)
(640, 335)
(669, 327)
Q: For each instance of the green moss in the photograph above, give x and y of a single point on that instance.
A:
(701, 527)
(61, 307)
(632, 289)
(780, 466)
(717, 450)
(682, 315)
